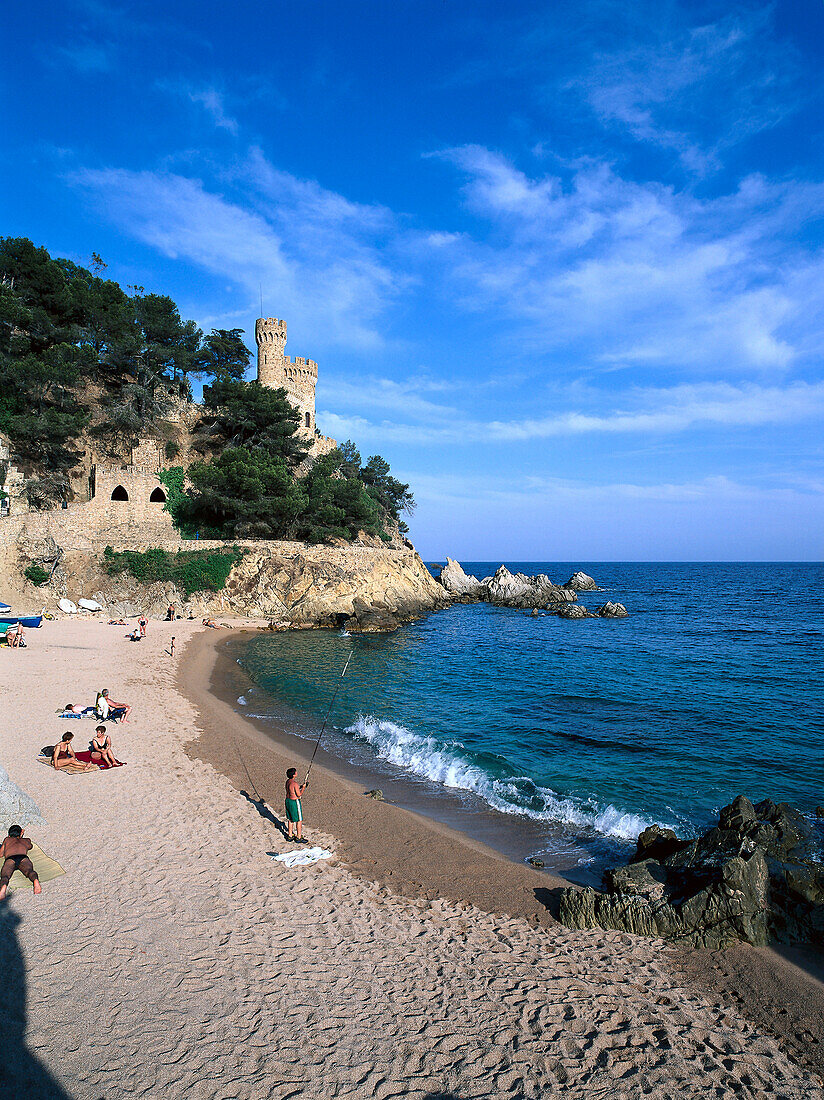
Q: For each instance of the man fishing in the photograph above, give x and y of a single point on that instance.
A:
(294, 810)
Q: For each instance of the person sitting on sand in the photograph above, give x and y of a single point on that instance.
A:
(294, 810)
(14, 856)
(135, 635)
(72, 708)
(64, 754)
(14, 636)
(100, 747)
(109, 710)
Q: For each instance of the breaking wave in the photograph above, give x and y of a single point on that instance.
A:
(452, 765)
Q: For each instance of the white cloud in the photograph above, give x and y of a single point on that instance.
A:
(643, 412)
(313, 253)
(621, 272)
(212, 102)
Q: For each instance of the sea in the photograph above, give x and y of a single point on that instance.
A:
(563, 739)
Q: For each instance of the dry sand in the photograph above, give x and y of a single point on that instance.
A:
(176, 959)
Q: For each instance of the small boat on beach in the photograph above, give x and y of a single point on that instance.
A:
(30, 621)
(4, 609)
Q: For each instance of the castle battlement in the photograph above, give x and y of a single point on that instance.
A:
(297, 376)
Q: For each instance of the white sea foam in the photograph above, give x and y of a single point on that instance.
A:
(242, 700)
(445, 764)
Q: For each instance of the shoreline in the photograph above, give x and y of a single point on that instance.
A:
(780, 989)
(413, 854)
(219, 971)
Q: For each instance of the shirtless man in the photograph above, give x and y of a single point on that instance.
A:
(294, 810)
(14, 856)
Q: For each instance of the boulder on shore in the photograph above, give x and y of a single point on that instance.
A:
(754, 878)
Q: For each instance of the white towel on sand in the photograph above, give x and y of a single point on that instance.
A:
(303, 855)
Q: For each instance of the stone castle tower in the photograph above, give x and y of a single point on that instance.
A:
(275, 369)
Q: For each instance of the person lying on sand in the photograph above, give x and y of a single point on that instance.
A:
(72, 708)
(64, 754)
(294, 810)
(108, 709)
(118, 622)
(211, 623)
(100, 747)
(14, 856)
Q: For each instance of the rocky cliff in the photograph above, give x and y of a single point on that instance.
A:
(291, 584)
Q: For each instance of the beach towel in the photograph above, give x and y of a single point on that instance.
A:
(303, 856)
(86, 757)
(46, 867)
(70, 769)
(71, 714)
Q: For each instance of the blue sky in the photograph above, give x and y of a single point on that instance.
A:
(560, 263)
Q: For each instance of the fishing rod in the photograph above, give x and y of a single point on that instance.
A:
(326, 719)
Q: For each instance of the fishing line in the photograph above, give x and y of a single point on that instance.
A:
(326, 719)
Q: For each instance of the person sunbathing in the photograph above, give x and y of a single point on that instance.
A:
(108, 709)
(100, 747)
(14, 856)
(72, 708)
(14, 637)
(64, 755)
(211, 623)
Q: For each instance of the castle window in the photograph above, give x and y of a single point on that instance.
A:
(308, 420)
(158, 496)
(119, 493)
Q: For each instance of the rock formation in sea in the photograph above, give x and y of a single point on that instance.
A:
(582, 582)
(531, 593)
(755, 877)
(460, 586)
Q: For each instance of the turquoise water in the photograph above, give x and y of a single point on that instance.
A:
(591, 729)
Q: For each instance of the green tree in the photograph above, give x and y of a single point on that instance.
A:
(337, 506)
(392, 495)
(224, 357)
(246, 414)
(245, 493)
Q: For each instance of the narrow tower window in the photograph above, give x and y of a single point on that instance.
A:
(308, 420)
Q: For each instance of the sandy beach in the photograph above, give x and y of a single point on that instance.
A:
(176, 958)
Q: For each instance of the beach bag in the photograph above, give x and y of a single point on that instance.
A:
(47, 750)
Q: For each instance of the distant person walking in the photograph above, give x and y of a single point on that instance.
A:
(14, 856)
(294, 809)
(172, 647)
(142, 622)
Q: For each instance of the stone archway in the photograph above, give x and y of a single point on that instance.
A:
(158, 496)
(119, 493)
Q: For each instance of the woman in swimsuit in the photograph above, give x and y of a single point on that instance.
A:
(64, 755)
(101, 748)
(14, 856)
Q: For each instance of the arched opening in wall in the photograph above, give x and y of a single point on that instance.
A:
(308, 420)
(119, 493)
(158, 496)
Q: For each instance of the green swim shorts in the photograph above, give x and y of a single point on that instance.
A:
(293, 810)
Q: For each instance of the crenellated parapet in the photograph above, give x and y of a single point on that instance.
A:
(297, 376)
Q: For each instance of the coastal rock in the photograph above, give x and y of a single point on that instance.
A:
(506, 589)
(612, 610)
(582, 582)
(459, 584)
(574, 611)
(754, 877)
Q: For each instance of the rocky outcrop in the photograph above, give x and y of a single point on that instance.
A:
(582, 582)
(612, 610)
(754, 877)
(364, 587)
(506, 589)
(460, 585)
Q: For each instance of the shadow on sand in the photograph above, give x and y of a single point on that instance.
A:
(265, 812)
(21, 1074)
